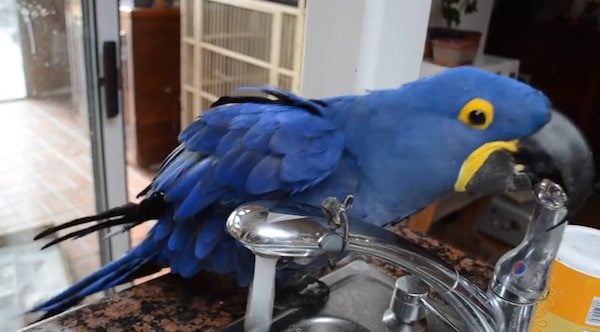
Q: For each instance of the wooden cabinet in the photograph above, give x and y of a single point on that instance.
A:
(151, 79)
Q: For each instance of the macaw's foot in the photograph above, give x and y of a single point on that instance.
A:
(308, 292)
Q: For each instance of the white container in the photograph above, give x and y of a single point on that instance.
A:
(573, 300)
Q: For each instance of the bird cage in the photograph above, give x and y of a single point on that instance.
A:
(228, 44)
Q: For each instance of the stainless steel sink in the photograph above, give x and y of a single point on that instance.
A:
(359, 295)
(326, 324)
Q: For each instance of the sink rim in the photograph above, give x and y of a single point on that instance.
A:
(329, 321)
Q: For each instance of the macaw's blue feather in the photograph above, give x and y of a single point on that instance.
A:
(112, 274)
(233, 170)
(290, 172)
(325, 160)
(244, 121)
(181, 234)
(286, 141)
(305, 123)
(192, 129)
(325, 142)
(211, 183)
(221, 257)
(222, 116)
(223, 171)
(172, 171)
(195, 201)
(162, 229)
(259, 135)
(207, 238)
(109, 269)
(231, 139)
(180, 189)
(206, 139)
(110, 279)
(185, 262)
(189, 266)
(314, 165)
(264, 177)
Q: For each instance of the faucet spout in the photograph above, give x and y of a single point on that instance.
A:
(280, 230)
(285, 229)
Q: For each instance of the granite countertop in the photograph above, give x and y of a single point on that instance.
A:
(209, 302)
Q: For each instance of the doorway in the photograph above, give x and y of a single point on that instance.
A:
(60, 151)
(12, 80)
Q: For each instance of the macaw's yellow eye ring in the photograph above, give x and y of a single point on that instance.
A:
(477, 114)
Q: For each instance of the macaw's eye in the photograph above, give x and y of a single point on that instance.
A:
(477, 117)
(477, 114)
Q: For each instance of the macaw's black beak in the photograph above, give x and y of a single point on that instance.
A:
(558, 151)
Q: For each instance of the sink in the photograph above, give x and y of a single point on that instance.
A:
(327, 324)
(359, 295)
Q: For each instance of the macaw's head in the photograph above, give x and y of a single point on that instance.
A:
(512, 136)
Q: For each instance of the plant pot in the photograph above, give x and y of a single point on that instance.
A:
(456, 51)
(474, 36)
(438, 33)
(434, 33)
(442, 33)
(428, 51)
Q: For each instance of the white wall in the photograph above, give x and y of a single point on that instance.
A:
(356, 45)
(478, 21)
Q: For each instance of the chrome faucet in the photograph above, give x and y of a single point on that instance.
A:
(520, 276)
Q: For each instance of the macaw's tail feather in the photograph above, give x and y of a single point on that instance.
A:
(117, 272)
(138, 262)
(129, 214)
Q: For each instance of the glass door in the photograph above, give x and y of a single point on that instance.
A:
(106, 115)
(61, 143)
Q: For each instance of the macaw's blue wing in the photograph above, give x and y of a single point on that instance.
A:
(243, 149)
(232, 154)
(247, 150)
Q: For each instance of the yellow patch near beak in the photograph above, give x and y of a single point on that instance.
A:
(477, 158)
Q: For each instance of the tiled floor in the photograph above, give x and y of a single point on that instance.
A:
(46, 177)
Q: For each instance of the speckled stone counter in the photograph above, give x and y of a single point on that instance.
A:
(209, 302)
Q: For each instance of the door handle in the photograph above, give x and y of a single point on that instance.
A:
(111, 78)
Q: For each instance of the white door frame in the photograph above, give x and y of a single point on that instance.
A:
(101, 25)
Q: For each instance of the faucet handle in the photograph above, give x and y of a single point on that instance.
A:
(551, 195)
(335, 211)
(406, 306)
(337, 214)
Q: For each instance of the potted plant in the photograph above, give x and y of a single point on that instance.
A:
(450, 46)
(451, 10)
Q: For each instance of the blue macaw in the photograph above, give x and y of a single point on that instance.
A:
(394, 150)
